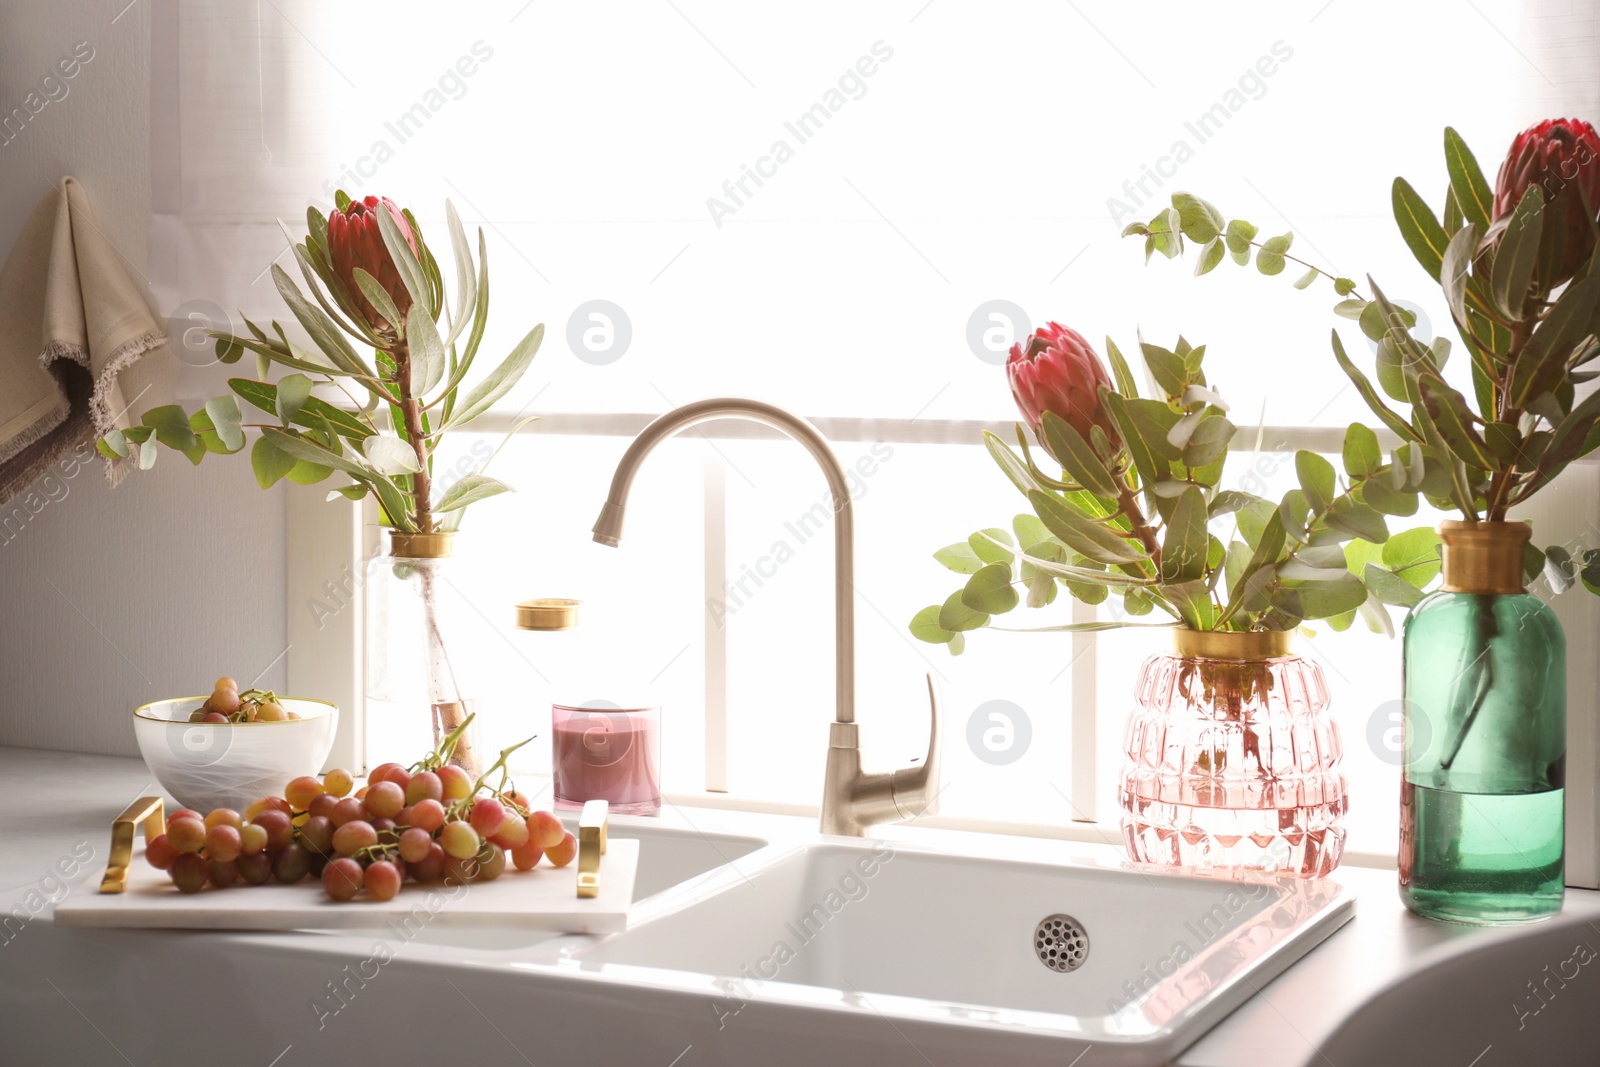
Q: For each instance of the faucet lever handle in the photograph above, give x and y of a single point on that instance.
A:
(916, 789)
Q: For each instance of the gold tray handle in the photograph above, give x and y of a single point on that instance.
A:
(591, 846)
(146, 811)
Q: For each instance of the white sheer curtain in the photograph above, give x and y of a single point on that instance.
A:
(977, 162)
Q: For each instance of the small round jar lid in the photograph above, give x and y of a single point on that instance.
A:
(548, 613)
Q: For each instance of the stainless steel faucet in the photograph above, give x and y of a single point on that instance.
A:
(852, 800)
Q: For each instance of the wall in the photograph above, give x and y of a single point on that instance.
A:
(111, 598)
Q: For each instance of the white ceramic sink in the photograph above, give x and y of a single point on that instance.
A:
(917, 937)
(668, 857)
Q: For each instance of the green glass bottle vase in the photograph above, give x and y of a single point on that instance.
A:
(1484, 732)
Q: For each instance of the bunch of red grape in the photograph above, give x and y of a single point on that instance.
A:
(227, 704)
(430, 825)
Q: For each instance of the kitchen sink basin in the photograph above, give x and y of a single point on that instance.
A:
(1135, 963)
(668, 857)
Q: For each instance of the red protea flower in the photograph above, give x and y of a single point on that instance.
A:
(1562, 156)
(1055, 370)
(354, 240)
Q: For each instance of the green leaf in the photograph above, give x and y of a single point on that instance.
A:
(264, 396)
(1559, 570)
(1209, 441)
(1344, 286)
(269, 462)
(1514, 259)
(1390, 419)
(1319, 600)
(959, 557)
(1356, 519)
(228, 349)
(1413, 554)
(461, 252)
(1082, 534)
(1210, 255)
(1307, 278)
(390, 455)
(1183, 549)
(1505, 441)
(1029, 530)
(354, 491)
(427, 351)
(1472, 191)
(405, 260)
(1229, 501)
(925, 627)
(389, 495)
(1166, 368)
(1270, 260)
(327, 337)
(1042, 590)
(1155, 420)
(1077, 459)
(469, 490)
(113, 445)
(1453, 270)
(314, 268)
(499, 381)
(171, 425)
(1419, 226)
(225, 419)
(1073, 573)
(1378, 494)
(1009, 462)
(1389, 588)
(1317, 479)
(147, 454)
(1543, 361)
(1453, 220)
(1199, 221)
(1238, 237)
(1126, 384)
(955, 616)
(1151, 467)
(1362, 456)
(306, 473)
(379, 298)
(293, 391)
(1451, 416)
(990, 590)
(992, 546)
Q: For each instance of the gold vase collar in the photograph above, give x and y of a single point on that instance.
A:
(1239, 647)
(438, 545)
(1483, 557)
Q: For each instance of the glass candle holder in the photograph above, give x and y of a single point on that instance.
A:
(603, 752)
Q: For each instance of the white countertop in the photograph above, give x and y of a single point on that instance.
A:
(60, 803)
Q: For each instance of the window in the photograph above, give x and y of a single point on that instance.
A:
(948, 175)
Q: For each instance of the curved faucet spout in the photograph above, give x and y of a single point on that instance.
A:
(608, 527)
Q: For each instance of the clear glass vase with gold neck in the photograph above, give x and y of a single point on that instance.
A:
(1484, 732)
(418, 681)
(1232, 758)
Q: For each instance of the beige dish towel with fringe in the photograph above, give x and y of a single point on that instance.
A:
(79, 349)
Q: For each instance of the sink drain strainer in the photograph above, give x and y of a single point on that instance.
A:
(1061, 943)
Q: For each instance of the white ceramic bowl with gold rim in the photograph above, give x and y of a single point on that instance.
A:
(232, 765)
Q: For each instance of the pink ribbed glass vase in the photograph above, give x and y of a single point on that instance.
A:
(1233, 759)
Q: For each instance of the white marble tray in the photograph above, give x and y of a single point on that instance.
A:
(544, 898)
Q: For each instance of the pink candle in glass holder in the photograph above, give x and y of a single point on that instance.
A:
(603, 752)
